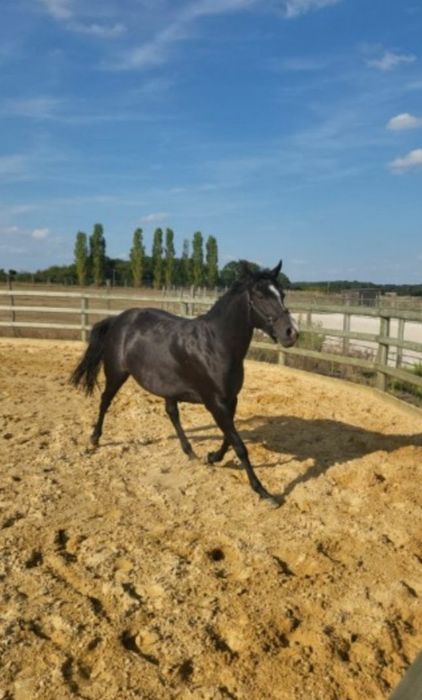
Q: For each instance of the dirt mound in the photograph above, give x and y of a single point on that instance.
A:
(130, 572)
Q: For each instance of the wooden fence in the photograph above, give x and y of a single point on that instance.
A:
(87, 308)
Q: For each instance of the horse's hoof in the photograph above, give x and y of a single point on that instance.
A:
(94, 441)
(212, 458)
(272, 501)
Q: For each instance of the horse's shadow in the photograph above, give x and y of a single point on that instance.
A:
(326, 442)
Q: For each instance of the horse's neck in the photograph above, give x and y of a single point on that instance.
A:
(233, 324)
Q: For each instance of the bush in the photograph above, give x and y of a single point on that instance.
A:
(409, 391)
(311, 338)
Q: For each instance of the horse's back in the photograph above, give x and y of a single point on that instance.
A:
(134, 321)
(130, 327)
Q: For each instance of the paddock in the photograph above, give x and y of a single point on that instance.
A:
(131, 572)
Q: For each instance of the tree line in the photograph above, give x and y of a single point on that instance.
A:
(160, 269)
(338, 286)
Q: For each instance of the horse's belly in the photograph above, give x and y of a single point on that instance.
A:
(163, 384)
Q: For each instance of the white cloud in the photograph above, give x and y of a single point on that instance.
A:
(155, 51)
(40, 233)
(33, 107)
(80, 111)
(39, 162)
(390, 60)
(64, 11)
(18, 209)
(154, 217)
(412, 160)
(9, 231)
(404, 121)
(415, 85)
(295, 8)
(20, 246)
(151, 54)
(59, 9)
(102, 31)
(13, 166)
(202, 8)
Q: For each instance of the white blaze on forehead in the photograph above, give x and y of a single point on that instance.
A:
(275, 292)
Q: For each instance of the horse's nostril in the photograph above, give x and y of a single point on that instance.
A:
(289, 332)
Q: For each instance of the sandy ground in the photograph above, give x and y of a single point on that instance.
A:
(130, 572)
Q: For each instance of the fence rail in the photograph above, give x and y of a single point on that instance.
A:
(94, 305)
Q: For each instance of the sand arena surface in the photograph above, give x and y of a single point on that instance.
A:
(130, 572)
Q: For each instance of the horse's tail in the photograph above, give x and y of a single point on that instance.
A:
(86, 372)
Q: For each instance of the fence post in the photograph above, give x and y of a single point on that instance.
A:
(13, 313)
(281, 357)
(309, 319)
(346, 329)
(84, 317)
(382, 359)
(184, 308)
(108, 294)
(12, 306)
(400, 338)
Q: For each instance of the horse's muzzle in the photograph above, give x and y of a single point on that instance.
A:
(286, 334)
(291, 336)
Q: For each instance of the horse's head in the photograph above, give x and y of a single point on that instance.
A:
(266, 302)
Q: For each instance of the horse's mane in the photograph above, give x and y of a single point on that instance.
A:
(244, 283)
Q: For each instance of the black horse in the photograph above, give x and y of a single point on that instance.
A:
(195, 360)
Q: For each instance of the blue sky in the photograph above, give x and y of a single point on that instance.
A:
(286, 128)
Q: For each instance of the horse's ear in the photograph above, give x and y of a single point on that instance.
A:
(245, 272)
(275, 273)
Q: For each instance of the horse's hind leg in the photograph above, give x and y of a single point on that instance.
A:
(113, 383)
(173, 413)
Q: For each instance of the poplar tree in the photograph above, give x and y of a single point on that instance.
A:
(81, 257)
(157, 257)
(197, 259)
(137, 258)
(169, 261)
(186, 264)
(97, 254)
(212, 262)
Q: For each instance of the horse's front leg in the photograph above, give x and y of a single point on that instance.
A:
(224, 419)
(173, 413)
(219, 454)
